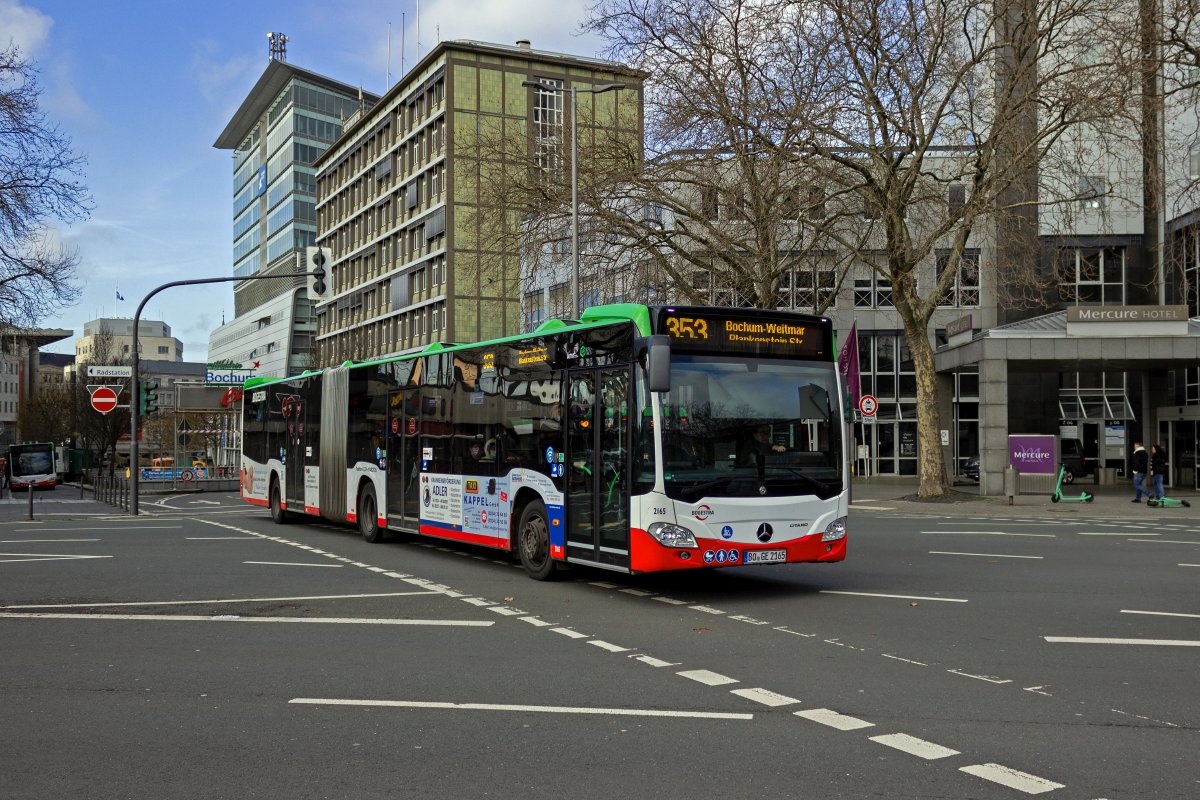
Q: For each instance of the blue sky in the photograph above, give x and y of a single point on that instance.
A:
(143, 89)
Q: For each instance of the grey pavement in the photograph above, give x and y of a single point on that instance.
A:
(897, 493)
(62, 502)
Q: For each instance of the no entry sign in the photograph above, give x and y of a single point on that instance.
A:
(104, 399)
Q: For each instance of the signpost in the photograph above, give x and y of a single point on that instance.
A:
(868, 405)
(104, 399)
(117, 371)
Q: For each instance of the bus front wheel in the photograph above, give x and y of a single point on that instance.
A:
(368, 516)
(533, 541)
(278, 515)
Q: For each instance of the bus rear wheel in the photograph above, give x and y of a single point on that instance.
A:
(533, 542)
(278, 515)
(368, 515)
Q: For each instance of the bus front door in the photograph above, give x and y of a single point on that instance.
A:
(597, 467)
(404, 473)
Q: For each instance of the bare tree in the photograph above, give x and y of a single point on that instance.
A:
(100, 432)
(45, 415)
(40, 181)
(922, 128)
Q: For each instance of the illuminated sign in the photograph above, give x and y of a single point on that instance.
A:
(734, 331)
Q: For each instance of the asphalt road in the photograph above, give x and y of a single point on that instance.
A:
(201, 651)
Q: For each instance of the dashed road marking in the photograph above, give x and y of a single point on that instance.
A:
(622, 712)
(765, 696)
(914, 746)
(292, 564)
(609, 646)
(833, 719)
(570, 634)
(1013, 779)
(706, 609)
(538, 623)
(981, 555)
(1161, 613)
(238, 618)
(654, 662)
(1101, 640)
(707, 677)
(897, 596)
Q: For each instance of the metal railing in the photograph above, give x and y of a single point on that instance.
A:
(113, 490)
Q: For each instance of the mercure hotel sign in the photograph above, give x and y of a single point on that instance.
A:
(1127, 321)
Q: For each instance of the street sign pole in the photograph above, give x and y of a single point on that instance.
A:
(134, 471)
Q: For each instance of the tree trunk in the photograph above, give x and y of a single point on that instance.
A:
(931, 467)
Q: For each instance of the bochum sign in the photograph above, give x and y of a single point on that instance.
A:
(226, 373)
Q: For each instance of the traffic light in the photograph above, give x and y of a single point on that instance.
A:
(319, 260)
(147, 397)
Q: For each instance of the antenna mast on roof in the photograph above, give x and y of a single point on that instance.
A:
(278, 45)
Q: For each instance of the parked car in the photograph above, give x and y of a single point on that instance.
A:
(1075, 463)
(971, 468)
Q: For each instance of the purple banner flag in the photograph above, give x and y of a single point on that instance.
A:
(848, 365)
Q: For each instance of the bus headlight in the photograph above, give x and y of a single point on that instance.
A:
(835, 530)
(670, 535)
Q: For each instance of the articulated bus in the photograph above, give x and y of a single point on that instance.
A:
(31, 464)
(636, 439)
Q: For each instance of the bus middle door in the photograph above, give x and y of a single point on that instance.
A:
(597, 466)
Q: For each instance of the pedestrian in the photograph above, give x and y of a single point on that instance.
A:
(1140, 464)
(1158, 469)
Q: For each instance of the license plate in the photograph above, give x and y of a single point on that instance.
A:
(764, 557)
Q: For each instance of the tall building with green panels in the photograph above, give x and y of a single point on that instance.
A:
(402, 199)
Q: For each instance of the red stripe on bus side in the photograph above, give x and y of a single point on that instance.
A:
(462, 536)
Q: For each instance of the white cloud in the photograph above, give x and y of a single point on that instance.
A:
(26, 27)
(220, 79)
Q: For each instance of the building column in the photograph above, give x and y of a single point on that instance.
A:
(1154, 394)
(993, 425)
(946, 398)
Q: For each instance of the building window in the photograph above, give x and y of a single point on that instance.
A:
(963, 292)
(548, 126)
(1194, 162)
(1092, 191)
(814, 288)
(1092, 276)
(873, 292)
(956, 197)
(163, 350)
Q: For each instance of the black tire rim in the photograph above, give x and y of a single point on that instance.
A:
(535, 541)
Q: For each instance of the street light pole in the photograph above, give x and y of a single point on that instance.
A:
(575, 90)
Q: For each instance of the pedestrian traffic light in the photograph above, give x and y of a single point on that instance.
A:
(319, 259)
(147, 397)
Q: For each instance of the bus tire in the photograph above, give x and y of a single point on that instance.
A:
(533, 541)
(278, 515)
(368, 515)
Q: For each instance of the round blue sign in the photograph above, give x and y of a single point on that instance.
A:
(709, 555)
(722, 556)
(727, 532)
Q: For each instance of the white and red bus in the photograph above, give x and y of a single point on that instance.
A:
(636, 439)
(31, 464)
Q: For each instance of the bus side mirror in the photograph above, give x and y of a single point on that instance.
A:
(658, 363)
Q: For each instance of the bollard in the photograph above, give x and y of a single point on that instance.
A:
(29, 489)
(1011, 488)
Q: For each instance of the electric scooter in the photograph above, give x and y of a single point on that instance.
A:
(1084, 497)
(1168, 502)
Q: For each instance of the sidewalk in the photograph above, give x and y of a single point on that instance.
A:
(63, 502)
(894, 494)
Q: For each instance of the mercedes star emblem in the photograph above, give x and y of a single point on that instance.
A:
(764, 532)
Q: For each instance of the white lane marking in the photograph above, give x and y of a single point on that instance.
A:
(862, 507)
(670, 601)
(750, 620)
(219, 538)
(1100, 640)
(235, 618)
(604, 584)
(506, 611)
(292, 564)
(706, 609)
(570, 633)
(897, 596)
(706, 677)
(39, 541)
(654, 662)
(235, 600)
(1013, 779)
(620, 712)
(1161, 613)
(914, 746)
(477, 601)
(784, 629)
(1147, 719)
(907, 660)
(993, 533)
(1011, 523)
(637, 592)
(833, 719)
(1164, 541)
(1038, 690)
(44, 557)
(612, 648)
(988, 678)
(90, 528)
(765, 696)
(1189, 565)
(539, 623)
(1115, 533)
(205, 502)
(982, 555)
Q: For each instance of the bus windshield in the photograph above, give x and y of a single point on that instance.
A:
(738, 427)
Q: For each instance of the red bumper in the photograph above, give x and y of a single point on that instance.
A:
(647, 555)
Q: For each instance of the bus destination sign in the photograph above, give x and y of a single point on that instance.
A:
(779, 335)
